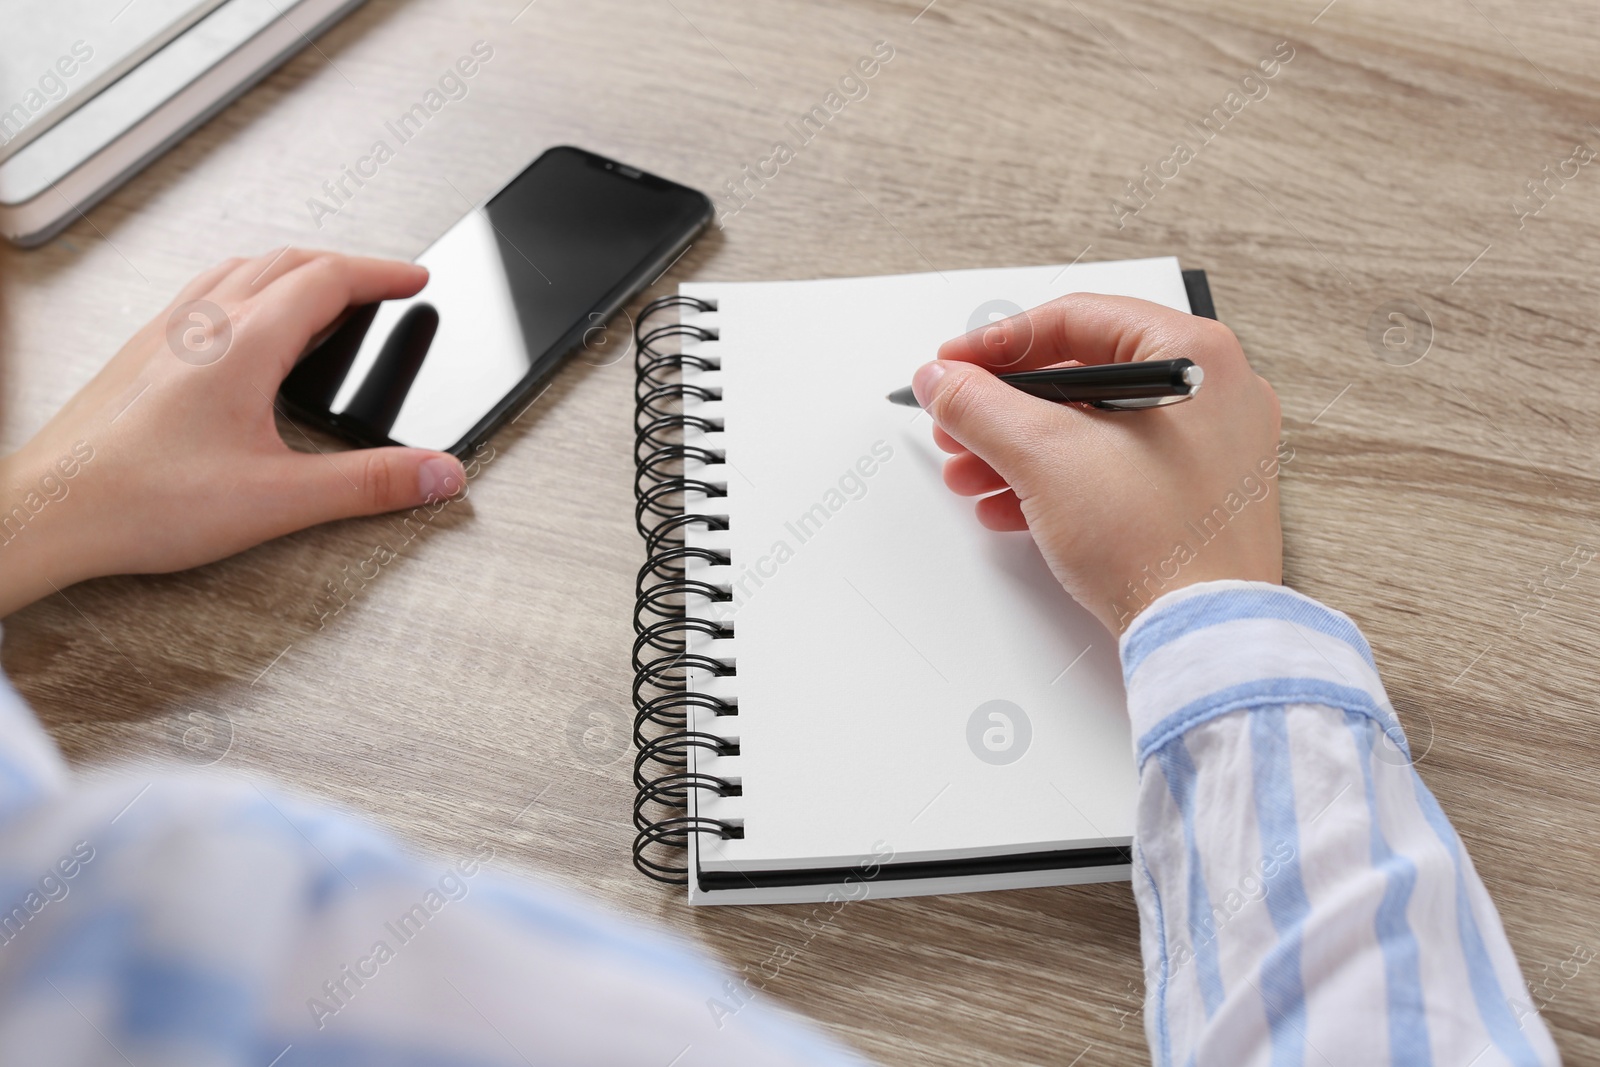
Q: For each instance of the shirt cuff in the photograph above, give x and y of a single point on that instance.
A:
(1210, 649)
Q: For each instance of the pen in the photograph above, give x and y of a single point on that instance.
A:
(1113, 386)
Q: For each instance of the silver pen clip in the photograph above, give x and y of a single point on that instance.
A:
(1192, 377)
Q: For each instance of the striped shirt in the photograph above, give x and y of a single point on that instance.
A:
(1302, 897)
(212, 922)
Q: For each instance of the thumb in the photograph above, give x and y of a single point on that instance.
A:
(370, 481)
(1005, 427)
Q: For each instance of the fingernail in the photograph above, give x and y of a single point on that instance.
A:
(925, 379)
(440, 477)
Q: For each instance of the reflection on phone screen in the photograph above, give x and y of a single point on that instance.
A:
(511, 287)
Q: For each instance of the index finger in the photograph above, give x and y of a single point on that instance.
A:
(1085, 327)
(295, 307)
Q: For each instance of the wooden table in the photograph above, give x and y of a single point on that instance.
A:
(478, 688)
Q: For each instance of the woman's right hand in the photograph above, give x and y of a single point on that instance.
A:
(1125, 506)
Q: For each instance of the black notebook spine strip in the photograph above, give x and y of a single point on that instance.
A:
(665, 739)
(1198, 286)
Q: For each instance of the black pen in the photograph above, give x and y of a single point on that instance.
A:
(1113, 386)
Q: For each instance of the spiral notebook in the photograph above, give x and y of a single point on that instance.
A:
(846, 687)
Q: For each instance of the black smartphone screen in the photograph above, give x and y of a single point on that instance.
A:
(512, 288)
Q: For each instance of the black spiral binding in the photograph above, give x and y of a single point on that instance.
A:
(662, 663)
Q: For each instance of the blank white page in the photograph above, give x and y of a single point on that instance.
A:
(873, 615)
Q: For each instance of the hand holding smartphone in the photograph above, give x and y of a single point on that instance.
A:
(513, 288)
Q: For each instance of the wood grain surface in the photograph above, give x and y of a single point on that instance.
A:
(477, 688)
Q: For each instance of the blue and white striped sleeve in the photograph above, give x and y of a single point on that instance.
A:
(1302, 896)
(205, 921)
(30, 766)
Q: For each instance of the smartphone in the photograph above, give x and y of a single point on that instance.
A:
(513, 288)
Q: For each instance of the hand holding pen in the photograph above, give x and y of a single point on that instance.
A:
(1114, 502)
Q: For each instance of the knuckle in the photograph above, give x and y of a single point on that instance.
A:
(292, 258)
(1219, 335)
(955, 399)
(324, 266)
(377, 482)
(1214, 346)
(1274, 406)
(1271, 395)
(236, 313)
(1078, 303)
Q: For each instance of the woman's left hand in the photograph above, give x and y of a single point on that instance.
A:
(170, 457)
